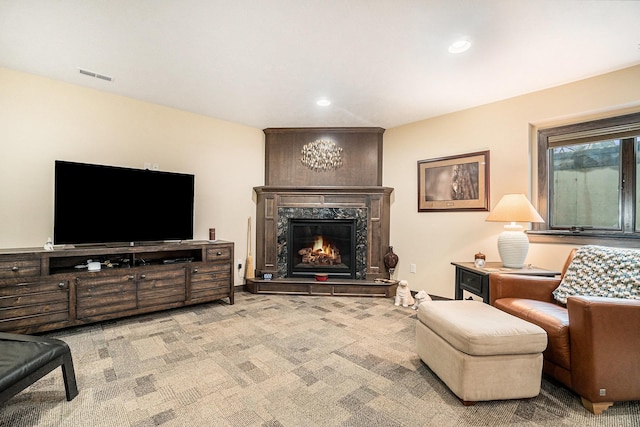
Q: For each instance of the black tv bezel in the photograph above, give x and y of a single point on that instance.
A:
(134, 202)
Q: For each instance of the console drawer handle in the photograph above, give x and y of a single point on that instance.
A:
(143, 276)
(61, 285)
(195, 270)
(15, 268)
(219, 253)
(131, 277)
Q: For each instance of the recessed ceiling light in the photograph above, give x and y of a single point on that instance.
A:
(324, 102)
(459, 46)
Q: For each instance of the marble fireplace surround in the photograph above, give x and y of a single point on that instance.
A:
(285, 214)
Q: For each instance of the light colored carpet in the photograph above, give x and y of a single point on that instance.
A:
(272, 360)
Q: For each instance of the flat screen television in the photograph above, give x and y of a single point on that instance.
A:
(107, 204)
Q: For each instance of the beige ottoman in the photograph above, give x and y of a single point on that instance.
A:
(480, 352)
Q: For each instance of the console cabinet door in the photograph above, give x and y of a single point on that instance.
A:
(210, 281)
(161, 287)
(35, 305)
(105, 295)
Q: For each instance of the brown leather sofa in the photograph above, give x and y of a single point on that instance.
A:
(593, 343)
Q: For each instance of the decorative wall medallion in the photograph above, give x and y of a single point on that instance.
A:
(321, 155)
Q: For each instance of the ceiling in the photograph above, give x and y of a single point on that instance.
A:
(264, 63)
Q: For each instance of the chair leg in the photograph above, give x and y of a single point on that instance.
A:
(596, 408)
(69, 375)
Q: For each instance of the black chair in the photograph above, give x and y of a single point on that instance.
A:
(24, 359)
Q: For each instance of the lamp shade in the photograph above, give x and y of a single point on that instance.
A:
(513, 244)
(514, 208)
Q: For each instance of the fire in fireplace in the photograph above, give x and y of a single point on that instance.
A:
(323, 252)
(321, 246)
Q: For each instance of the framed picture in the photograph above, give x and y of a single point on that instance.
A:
(455, 183)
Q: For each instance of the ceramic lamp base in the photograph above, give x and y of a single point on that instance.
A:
(513, 246)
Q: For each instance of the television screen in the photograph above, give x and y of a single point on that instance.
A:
(107, 204)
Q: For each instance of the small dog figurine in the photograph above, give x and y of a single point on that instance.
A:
(420, 297)
(403, 294)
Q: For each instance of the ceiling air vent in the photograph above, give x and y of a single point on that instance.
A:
(95, 75)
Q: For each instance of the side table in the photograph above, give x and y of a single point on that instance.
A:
(476, 280)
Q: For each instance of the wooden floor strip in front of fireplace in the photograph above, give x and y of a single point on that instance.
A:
(331, 287)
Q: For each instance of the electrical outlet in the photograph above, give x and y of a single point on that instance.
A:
(412, 268)
(239, 264)
(155, 167)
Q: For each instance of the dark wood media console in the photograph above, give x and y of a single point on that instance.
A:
(46, 290)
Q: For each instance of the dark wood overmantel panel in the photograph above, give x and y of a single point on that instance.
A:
(361, 157)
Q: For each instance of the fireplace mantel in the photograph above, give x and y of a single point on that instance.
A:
(373, 200)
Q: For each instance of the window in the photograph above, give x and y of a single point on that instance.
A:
(589, 182)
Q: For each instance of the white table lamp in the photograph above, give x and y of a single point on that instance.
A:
(513, 243)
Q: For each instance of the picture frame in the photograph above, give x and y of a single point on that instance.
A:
(454, 183)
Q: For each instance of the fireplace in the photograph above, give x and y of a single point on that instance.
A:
(347, 206)
(321, 246)
(366, 208)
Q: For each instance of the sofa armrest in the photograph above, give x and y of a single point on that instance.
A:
(539, 288)
(605, 344)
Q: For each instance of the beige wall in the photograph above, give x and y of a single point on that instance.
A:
(42, 120)
(507, 129)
